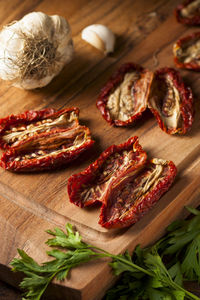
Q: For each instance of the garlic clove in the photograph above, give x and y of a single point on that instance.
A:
(92, 38)
(99, 36)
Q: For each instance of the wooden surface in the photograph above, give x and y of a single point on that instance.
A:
(9, 293)
(32, 203)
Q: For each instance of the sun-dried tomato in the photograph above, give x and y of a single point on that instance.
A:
(187, 52)
(41, 140)
(90, 186)
(188, 12)
(171, 101)
(129, 200)
(16, 128)
(124, 97)
(124, 182)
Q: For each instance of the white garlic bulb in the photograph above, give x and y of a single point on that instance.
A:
(34, 49)
(100, 36)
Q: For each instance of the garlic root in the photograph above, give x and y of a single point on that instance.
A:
(34, 49)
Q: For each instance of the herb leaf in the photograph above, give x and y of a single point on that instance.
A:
(145, 275)
(191, 262)
(176, 274)
(70, 240)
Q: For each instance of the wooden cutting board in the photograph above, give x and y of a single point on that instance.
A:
(32, 203)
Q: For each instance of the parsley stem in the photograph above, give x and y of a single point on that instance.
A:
(39, 277)
(175, 285)
(187, 293)
(125, 261)
(136, 267)
(129, 263)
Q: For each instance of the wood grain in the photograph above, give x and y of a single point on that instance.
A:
(31, 203)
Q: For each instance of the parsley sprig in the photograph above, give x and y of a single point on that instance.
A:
(173, 260)
(146, 275)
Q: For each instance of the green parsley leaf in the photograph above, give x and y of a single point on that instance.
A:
(191, 262)
(145, 275)
(176, 273)
(70, 240)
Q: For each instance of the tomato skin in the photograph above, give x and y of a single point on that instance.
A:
(142, 205)
(186, 101)
(180, 44)
(116, 79)
(31, 116)
(93, 174)
(26, 150)
(92, 186)
(194, 20)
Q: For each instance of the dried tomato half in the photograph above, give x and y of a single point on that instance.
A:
(171, 101)
(187, 52)
(116, 162)
(124, 97)
(124, 182)
(128, 200)
(41, 140)
(17, 128)
(188, 12)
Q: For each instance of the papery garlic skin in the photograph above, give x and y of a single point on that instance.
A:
(99, 36)
(50, 33)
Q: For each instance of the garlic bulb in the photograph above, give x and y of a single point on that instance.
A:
(100, 36)
(34, 49)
